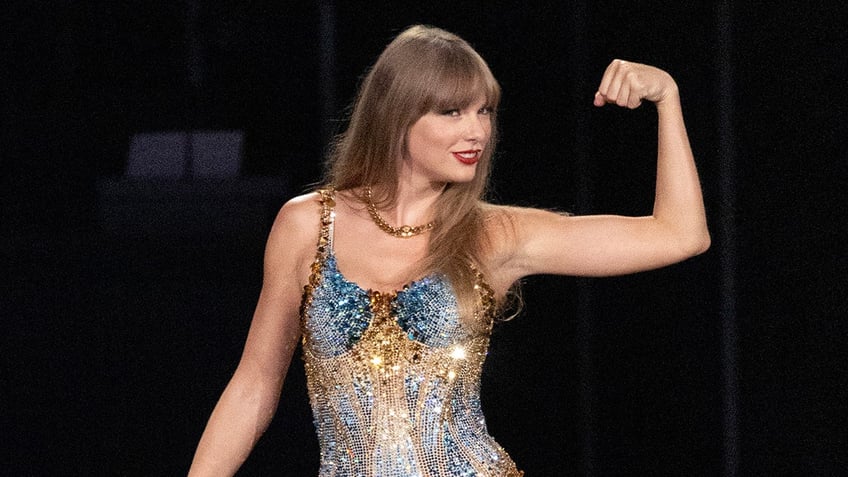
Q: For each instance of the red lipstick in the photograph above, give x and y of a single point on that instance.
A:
(469, 157)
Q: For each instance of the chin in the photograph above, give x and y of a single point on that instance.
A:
(467, 175)
(461, 180)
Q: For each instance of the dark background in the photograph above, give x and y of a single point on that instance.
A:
(119, 334)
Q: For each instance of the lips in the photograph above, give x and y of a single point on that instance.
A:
(468, 157)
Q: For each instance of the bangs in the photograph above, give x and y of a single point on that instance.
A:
(458, 83)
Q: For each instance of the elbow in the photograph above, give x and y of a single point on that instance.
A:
(697, 243)
(687, 239)
(704, 243)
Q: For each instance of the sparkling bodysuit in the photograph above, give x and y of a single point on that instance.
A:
(394, 378)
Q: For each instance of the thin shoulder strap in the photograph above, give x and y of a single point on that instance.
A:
(325, 246)
(328, 216)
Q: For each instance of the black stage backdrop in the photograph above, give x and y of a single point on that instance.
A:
(125, 303)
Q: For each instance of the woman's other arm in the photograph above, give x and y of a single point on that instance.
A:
(249, 401)
(601, 245)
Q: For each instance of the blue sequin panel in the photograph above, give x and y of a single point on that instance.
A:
(427, 311)
(339, 314)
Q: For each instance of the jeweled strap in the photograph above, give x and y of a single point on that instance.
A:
(328, 215)
(325, 244)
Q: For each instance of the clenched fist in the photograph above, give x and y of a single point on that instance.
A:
(626, 84)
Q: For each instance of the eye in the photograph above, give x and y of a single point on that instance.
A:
(451, 112)
(486, 110)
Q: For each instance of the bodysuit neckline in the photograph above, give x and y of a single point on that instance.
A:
(328, 201)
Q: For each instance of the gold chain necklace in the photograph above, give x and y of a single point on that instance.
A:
(404, 231)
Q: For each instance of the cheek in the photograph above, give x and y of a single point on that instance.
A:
(435, 139)
(419, 147)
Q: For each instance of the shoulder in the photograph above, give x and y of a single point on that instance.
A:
(301, 208)
(508, 221)
(297, 224)
(298, 213)
(513, 221)
(501, 225)
(508, 229)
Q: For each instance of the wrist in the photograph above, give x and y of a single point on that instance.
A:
(670, 98)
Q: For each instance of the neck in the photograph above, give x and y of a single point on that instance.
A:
(413, 205)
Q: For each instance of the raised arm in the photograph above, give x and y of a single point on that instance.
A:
(545, 242)
(250, 399)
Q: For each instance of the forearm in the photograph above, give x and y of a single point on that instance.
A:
(678, 204)
(241, 416)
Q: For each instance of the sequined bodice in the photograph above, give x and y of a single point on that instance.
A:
(394, 377)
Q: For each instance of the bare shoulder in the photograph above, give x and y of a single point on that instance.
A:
(514, 212)
(505, 223)
(509, 232)
(296, 227)
(498, 218)
(513, 221)
(300, 209)
(501, 228)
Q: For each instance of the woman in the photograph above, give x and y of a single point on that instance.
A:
(395, 303)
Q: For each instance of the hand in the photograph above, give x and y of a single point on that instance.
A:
(627, 84)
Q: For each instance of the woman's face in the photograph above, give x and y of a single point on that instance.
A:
(444, 146)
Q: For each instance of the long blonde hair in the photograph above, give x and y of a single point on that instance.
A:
(423, 69)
